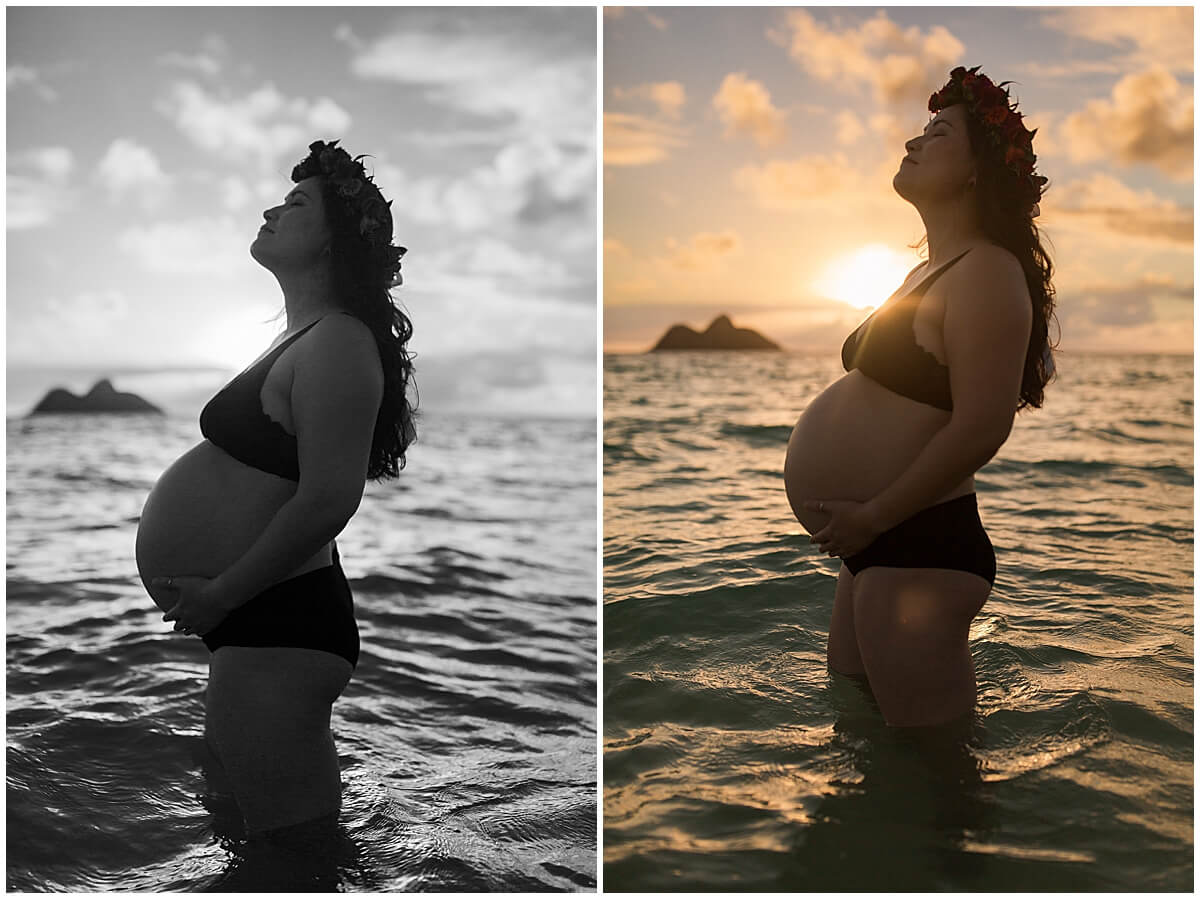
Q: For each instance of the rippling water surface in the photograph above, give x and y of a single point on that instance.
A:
(733, 759)
(466, 738)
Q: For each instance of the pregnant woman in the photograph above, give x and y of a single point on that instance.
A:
(880, 467)
(236, 540)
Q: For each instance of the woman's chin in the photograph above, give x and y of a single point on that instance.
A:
(257, 254)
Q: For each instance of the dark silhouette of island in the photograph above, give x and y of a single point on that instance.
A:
(720, 335)
(103, 397)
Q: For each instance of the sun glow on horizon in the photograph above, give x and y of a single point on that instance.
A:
(865, 277)
(238, 338)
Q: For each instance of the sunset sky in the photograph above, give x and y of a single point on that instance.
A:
(748, 158)
(145, 143)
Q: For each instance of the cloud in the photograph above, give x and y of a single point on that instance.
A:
(668, 96)
(55, 163)
(1149, 119)
(456, 309)
(1149, 35)
(262, 125)
(1070, 68)
(615, 247)
(209, 62)
(796, 183)
(37, 186)
(508, 382)
(211, 59)
(531, 183)
(492, 68)
(459, 137)
(744, 105)
(206, 246)
(1132, 316)
(515, 270)
(65, 328)
(1122, 304)
(1103, 201)
(849, 128)
(16, 75)
(235, 195)
(705, 250)
(128, 167)
(638, 140)
(92, 308)
(199, 62)
(523, 222)
(618, 12)
(899, 64)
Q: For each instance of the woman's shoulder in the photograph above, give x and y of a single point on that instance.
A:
(343, 339)
(991, 261)
(988, 288)
(342, 331)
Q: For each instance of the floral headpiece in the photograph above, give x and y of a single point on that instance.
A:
(989, 103)
(361, 197)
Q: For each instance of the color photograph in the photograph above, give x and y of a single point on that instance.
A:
(301, 449)
(898, 449)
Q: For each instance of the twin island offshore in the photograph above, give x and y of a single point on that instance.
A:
(720, 335)
(103, 397)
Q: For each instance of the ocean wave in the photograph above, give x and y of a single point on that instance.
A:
(477, 670)
(758, 435)
(734, 758)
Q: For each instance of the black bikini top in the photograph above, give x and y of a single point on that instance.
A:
(885, 349)
(235, 421)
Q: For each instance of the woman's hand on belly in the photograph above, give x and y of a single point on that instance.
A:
(199, 608)
(850, 529)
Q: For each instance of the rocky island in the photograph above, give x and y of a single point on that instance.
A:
(103, 397)
(720, 335)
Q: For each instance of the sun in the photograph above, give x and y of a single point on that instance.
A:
(865, 277)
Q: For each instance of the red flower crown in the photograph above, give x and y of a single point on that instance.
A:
(990, 104)
(361, 198)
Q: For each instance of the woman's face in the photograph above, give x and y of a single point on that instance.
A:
(294, 232)
(938, 164)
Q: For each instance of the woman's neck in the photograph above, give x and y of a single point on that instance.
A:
(949, 230)
(307, 296)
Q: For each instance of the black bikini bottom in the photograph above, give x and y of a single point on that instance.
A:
(313, 610)
(948, 535)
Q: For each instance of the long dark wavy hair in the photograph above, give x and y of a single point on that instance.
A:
(362, 285)
(1004, 202)
(365, 266)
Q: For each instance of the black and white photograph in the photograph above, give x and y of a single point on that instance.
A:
(301, 449)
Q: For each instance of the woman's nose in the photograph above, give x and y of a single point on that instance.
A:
(911, 144)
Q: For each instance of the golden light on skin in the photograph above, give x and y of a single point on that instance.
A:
(865, 277)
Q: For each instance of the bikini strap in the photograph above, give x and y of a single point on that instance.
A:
(924, 285)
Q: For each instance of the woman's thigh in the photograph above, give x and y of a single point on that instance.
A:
(280, 682)
(912, 626)
(267, 715)
(842, 650)
(269, 707)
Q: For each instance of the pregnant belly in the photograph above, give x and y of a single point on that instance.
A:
(204, 512)
(853, 441)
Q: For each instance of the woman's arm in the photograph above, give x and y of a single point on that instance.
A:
(336, 390)
(986, 334)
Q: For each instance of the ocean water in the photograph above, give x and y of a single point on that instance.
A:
(733, 758)
(466, 737)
